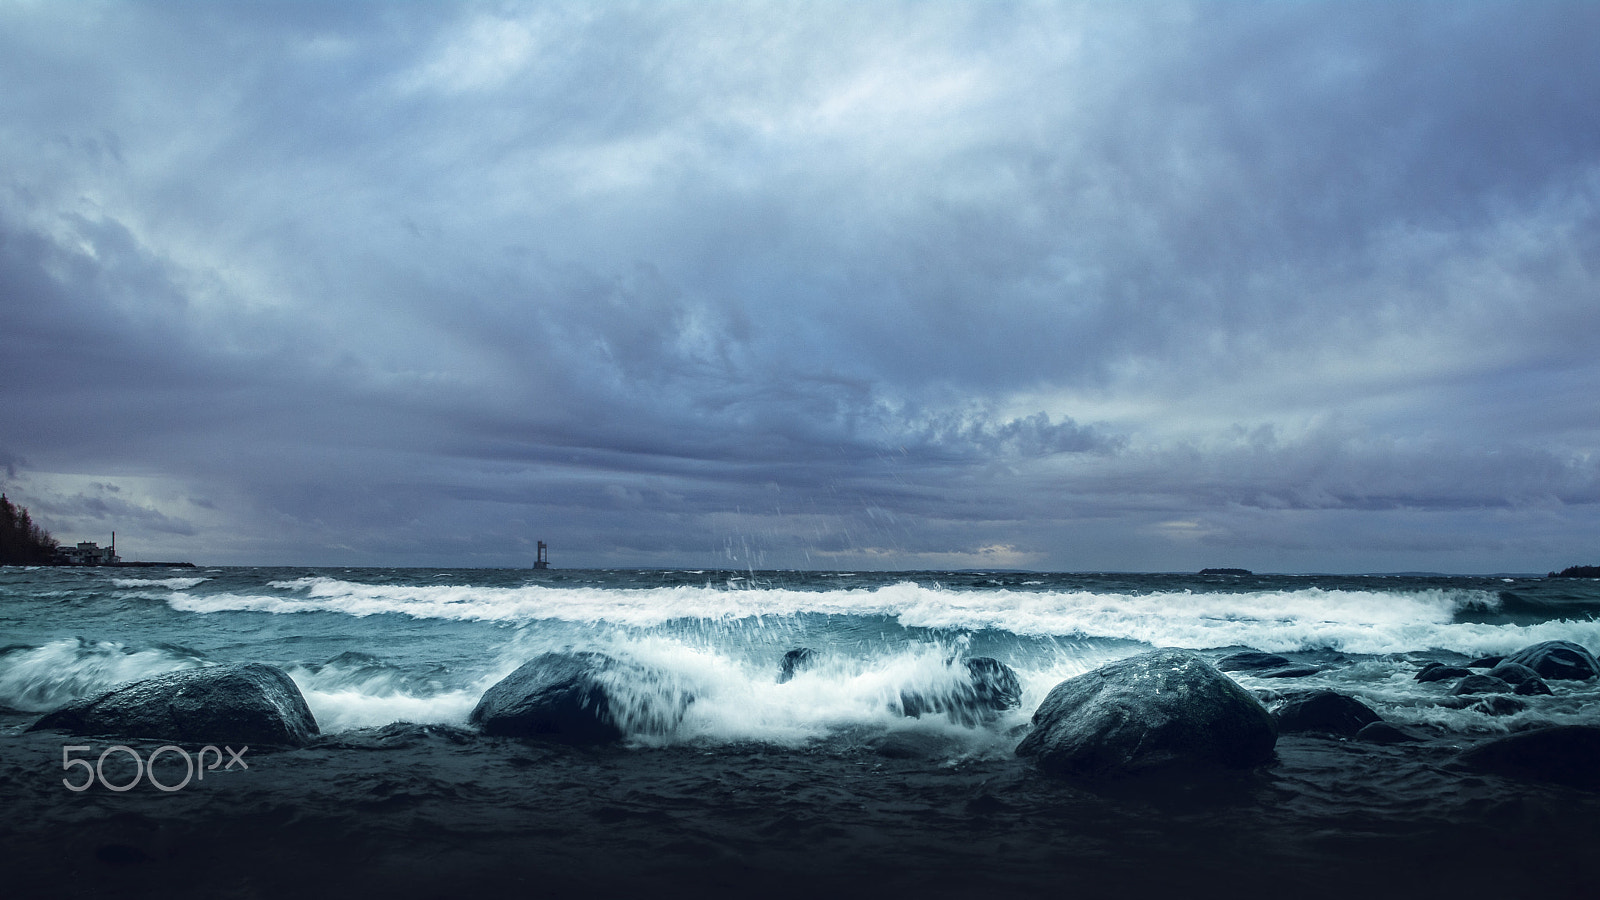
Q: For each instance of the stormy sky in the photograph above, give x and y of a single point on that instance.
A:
(1065, 286)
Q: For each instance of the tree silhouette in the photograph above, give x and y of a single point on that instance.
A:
(23, 543)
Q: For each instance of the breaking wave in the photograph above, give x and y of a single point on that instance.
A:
(1357, 621)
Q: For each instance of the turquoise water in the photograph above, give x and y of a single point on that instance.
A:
(373, 646)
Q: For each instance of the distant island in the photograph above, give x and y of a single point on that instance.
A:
(1226, 572)
(24, 543)
(1577, 572)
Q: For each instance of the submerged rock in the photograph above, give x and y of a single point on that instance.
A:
(1325, 711)
(795, 662)
(579, 698)
(249, 703)
(1534, 687)
(1513, 673)
(1290, 672)
(1442, 672)
(1481, 684)
(1558, 660)
(1564, 754)
(1499, 705)
(1157, 709)
(1265, 665)
(1251, 660)
(1381, 732)
(990, 687)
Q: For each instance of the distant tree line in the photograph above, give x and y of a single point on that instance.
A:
(22, 541)
(1577, 572)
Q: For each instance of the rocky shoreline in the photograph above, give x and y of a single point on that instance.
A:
(410, 811)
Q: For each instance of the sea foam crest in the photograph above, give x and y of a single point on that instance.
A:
(1357, 621)
(38, 679)
(176, 584)
(357, 690)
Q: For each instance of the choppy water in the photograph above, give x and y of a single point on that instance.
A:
(373, 646)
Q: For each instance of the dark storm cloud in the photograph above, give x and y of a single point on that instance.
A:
(1085, 286)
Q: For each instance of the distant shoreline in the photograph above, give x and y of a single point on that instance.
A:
(120, 565)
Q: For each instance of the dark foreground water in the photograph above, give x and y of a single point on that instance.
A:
(815, 787)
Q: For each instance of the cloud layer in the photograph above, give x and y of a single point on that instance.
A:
(1069, 286)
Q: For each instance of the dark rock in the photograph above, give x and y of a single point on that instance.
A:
(1290, 672)
(579, 698)
(1558, 660)
(1481, 684)
(1157, 709)
(1512, 673)
(1265, 665)
(1381, 732)
(1500, 705)
(1441, 672)
(1564, 754)
(250, 703)
(1485, 662)
(795, 662)
(1534, 687)
(1326, 711)
(990, 686)
(398, 736)
(1251, 660)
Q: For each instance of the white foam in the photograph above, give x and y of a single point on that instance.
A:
(176, 584)
(1274, 621)
(46, 677)
(342, 710)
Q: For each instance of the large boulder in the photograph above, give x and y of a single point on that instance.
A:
(580, 698)
(1158, 709)
(982, 688)
(1557, 660)
(249, 703)
(1564, 754)
(1323, 711)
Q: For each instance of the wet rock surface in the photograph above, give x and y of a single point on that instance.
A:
(579, 698)
(984, 687)
(1323, 711)
(248, 703)
(1160, 709)
(1555, 660)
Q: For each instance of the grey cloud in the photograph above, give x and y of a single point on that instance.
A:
(948, 276)
(88, 512)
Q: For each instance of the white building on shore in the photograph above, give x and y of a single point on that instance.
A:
(89, 553)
